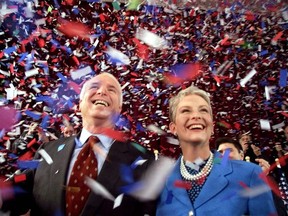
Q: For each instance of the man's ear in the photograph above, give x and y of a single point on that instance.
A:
(172, 127)
(79, 105)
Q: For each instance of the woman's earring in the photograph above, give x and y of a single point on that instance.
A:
(175, 134)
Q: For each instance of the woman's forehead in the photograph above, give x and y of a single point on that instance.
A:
(193, 99)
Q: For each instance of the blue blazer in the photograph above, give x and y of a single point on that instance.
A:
(221, 193)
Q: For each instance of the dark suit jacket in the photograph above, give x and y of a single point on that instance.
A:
(45, 187)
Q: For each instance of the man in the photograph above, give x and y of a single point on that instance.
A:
(100, 105)
(236, 153)
(235, 149)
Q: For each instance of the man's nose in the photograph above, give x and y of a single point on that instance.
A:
(101, 90)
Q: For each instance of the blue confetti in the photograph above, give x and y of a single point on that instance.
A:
(10, 50)
(264, 52)
(126, 174)
(45, 121)
(283, 78)
(64, 79)
(28, 164)
(33, 115)
(61, 147)
(225, 157)
(169, 197)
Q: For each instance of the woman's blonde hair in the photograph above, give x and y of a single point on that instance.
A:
(192, 90)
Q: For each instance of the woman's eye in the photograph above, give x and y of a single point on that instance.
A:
(204, 110)
(185, 110)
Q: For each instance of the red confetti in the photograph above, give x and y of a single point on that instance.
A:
(117, 135)
(20, 178)
(183, 184)
(31, 143)
(72, 29)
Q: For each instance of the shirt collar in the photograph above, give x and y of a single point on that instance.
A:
(106, 141)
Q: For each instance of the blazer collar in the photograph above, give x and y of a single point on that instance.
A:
(215, 182)
(209, 189)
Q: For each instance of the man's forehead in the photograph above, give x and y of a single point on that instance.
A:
(229, 145)
(104, 78)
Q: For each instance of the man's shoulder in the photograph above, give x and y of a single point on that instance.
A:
(245, 165)
(54, 144)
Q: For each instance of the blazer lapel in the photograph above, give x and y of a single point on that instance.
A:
(215, 183)
(178, 193)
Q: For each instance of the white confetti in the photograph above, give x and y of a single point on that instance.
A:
(255, 191)
(155, 129)
(140, 162)
(154, 179)
(172, 141)
(247, 77)
(31, 72)
(97, 188)
(77, 74)
(267, 95)
(11, 93)
(150, 39)
(265, 124)
(46, 156)
(116, 54)
(118, 201)
(277, 126)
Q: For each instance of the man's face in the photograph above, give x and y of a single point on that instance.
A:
(68, 131)
(101, 99)
(244, 142)
(234, 153)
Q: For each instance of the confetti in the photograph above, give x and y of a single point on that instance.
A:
(150, 39)
(97, 188)
(45, 156)
(154, 179)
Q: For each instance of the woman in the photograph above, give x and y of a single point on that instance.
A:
(201, 182)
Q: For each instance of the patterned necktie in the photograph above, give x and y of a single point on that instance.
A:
(77, 191)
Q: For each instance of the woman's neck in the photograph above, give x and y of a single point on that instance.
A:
(192, 153)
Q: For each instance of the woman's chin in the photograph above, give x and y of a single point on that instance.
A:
(197, 141)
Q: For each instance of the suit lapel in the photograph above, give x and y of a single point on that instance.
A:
(62, 160)
(215, 183)
(178, 193)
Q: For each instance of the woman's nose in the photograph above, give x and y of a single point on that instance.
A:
(195, 115)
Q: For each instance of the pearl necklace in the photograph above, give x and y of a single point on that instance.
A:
(204, 172)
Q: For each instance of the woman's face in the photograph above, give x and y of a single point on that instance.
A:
(193, 120)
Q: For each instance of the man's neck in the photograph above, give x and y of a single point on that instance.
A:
(97, 128)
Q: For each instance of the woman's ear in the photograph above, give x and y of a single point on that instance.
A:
(172, 128)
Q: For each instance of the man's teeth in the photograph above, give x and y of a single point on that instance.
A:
(104, 103)
(196, 126)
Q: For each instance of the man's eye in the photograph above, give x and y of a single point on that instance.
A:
(112, 90)
(93, 87)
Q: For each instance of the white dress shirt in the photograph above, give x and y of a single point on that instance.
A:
(104, 147)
